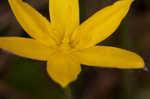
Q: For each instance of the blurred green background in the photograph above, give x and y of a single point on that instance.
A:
(22, 78)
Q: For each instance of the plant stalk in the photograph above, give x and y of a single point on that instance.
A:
(68, 93)
(124, 44)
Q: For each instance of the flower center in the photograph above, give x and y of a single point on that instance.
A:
(65, 44)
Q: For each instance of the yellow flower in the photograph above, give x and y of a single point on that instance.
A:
(65, 44)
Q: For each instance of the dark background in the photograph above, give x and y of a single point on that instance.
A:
(22, 78)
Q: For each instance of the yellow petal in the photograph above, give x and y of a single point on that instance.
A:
(100, 25)
(63, 68)
(64, 14)
(111, 57)
(25, 47)
(33, 22)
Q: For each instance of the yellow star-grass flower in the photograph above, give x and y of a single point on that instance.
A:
(64, 43)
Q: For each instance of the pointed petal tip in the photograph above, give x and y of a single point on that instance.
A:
(127, 0)
(64, 83)
(140, 64)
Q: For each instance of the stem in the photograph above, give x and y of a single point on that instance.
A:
(125, 84)
(125, 45)
(67, 92)
(124, 35)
